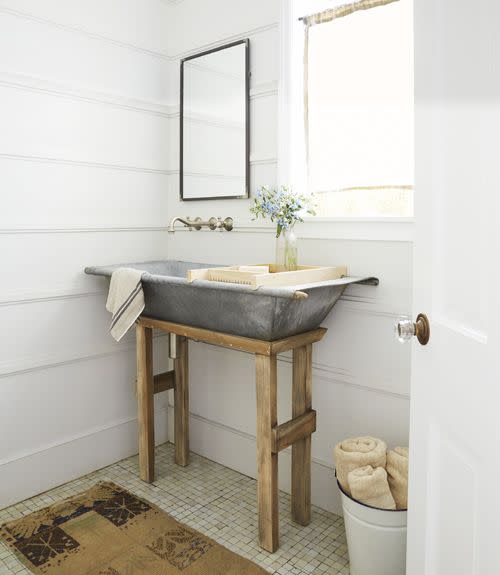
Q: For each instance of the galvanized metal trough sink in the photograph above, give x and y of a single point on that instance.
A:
(268, 313)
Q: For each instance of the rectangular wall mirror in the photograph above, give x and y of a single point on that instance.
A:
(214, 124)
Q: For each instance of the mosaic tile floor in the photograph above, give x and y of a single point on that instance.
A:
(220, 503)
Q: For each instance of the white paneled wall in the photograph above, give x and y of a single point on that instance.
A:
(89, 154)
(136, 25)
(84, 149)
(361, 374)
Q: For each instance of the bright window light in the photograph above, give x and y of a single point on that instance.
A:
(360, 113)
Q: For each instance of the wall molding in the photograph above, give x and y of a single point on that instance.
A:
(76, 437)
(24, 365)
(330, 374)
(84, 94)
(245, 435)
(23, 297)
(85, 32)
(226, 40)
(335, 375)
(34, 471)
(363, 308)
(264, 161)
(80, 93)
(363, 299)
(142, 229)
(377, 229)
(264, 90)
(195, 65)
(324, 372)
(84, 164)
(253, 162)
(135, 47)
(212, 121)
(365, 304)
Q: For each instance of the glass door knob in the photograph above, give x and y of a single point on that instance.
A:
(405, 329)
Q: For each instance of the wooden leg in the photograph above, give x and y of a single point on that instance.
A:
(301, 450)
(267, 461)
(181, 405)
(145, 399)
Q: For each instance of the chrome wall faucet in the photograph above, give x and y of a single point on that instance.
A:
(198, 223)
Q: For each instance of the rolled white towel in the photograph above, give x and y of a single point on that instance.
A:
(358, 452)
(370, 486)
(397, 474)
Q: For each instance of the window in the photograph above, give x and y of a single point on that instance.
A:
(357, 77)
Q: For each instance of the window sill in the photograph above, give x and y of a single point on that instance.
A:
(389, 229)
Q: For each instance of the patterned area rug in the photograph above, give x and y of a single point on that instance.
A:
(108, 531)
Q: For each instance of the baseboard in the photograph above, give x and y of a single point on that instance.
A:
(39, 471)
(237, 450)
(33, 473)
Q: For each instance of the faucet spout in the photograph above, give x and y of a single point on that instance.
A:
(171, 227)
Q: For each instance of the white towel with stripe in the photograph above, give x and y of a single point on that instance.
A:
(125, 300)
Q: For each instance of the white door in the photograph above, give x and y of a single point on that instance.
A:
(454, 518)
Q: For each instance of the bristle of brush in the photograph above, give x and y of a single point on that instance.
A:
(216, 278)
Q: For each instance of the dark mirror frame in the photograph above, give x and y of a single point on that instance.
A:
(246, 43)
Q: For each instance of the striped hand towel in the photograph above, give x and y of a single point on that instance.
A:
(125, 300)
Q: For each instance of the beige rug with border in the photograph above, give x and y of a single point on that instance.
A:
(108, 531)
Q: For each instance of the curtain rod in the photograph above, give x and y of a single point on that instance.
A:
(342, 10)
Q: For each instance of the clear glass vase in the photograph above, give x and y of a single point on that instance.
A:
(286, 251)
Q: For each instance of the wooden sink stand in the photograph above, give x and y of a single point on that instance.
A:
(271, 437)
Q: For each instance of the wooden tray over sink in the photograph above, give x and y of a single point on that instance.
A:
(268, 275)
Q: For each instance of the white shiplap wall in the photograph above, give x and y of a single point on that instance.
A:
(89, 113)
(361, 375)
(84, 171)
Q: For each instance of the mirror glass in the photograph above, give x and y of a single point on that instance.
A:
(214, 124)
